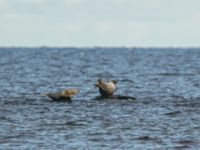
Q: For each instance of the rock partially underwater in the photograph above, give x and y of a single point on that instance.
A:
(115, 97)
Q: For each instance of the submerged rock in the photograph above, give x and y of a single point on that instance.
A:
(117, 97)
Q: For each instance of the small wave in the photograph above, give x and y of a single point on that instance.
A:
(175, 74)
(148, 138)
(173, 113)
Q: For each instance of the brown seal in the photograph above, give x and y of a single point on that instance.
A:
(63, 95)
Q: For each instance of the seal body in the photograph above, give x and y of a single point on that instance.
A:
(63, 95)
(106, 88)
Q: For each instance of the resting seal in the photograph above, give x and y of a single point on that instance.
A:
(106, 89)
(63, 95)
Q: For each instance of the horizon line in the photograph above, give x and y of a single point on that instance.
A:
(117, 47)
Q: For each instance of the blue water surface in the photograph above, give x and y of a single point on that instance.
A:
(164, 115)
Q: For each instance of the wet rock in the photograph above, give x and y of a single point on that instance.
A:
(115, 97)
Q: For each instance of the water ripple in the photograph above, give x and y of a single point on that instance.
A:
(159, 110)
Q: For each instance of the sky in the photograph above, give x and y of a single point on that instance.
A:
(88, 23)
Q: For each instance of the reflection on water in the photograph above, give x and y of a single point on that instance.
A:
(164, 114)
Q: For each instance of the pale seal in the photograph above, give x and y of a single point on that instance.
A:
(106, 88)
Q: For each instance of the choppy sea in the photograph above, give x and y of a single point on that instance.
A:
(165, 113)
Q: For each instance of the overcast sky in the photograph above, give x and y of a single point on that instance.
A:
(143, 23)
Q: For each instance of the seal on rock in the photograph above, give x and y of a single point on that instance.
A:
(64, 95)
(106, 89)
